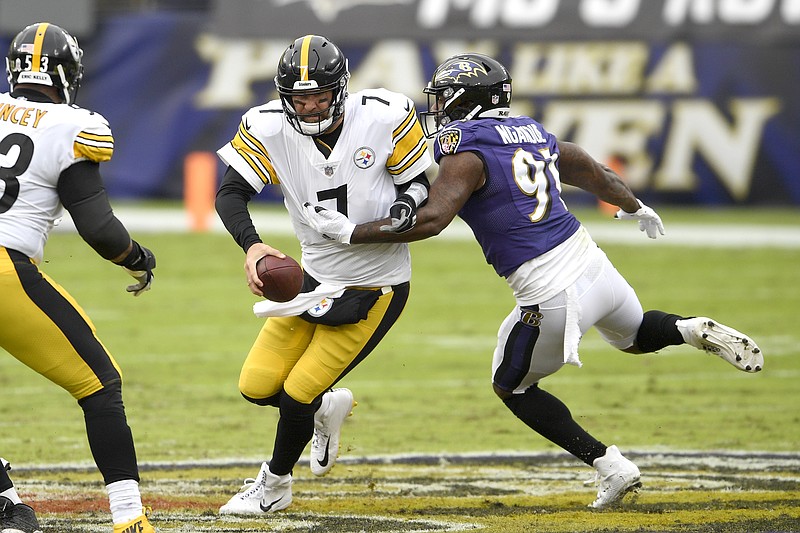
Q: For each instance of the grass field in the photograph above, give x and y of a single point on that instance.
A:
(425, 399)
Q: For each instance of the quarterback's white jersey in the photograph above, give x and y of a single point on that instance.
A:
(38, 141)
(381, 145)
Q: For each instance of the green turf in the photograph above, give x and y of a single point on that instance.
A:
(426, 388)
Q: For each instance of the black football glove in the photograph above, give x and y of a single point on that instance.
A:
(403, 213)
(139, 264)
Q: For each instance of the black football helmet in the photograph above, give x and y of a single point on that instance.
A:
(465, 87)
(45, 54)
(312, 64)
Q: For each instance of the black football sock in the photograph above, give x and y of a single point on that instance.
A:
(110, 438)
(295, 428)
(548, 416)
(657, 331)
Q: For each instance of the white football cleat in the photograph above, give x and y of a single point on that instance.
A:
(337, 405)
(735, 347)
(616, 476)
(264, 494)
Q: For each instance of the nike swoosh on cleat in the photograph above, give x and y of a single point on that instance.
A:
(326, 457)
(267, 508)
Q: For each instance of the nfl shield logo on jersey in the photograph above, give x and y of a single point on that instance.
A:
(449, 141)
(364, 157)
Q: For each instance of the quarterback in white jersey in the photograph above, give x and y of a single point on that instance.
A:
(365, 156)
(378, 149)
(50, 151)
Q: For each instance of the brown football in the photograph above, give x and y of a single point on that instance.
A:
(282, 278)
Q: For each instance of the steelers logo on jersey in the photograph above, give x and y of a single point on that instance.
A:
(321, 308)
(364, 157)
(449, 140)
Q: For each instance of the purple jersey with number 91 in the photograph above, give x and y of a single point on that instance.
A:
(518, 214)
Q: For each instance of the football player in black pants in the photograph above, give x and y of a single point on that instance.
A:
(50, 152)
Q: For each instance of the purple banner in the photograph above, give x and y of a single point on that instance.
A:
(695, 121)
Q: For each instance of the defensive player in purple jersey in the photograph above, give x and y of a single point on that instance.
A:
(503, 176)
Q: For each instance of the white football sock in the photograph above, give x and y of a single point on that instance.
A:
(12, 495)
(125, 500)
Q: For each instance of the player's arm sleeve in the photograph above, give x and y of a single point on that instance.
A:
(80, 188)
(417, 188)
(232, 198)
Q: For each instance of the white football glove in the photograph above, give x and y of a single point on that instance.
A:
(332, 225)
(649, 221)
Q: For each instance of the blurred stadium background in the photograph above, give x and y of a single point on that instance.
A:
(695, 101)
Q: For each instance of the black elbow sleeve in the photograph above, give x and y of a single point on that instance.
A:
(81, 191)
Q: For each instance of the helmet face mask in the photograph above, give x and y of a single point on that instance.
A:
(45, 54)
(312, 66)
(465, 87)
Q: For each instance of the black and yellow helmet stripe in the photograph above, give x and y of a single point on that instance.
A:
(304, 49)
(38, 43)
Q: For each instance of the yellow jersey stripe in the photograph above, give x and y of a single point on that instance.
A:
(38, 42)
(255, 143)
(258, 161)
(92, 152)
(409, 160)
(95, 137)
(412, 115)
(408, 148)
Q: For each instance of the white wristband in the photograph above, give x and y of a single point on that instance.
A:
(418, 192)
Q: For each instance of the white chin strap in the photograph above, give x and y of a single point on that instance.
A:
(64, 84)
(315, 128)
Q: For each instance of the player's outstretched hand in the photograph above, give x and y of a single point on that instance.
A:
(403, 213)
(142, 271)
(649, 221)
(332, 225)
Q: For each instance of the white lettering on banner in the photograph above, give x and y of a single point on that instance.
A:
(488, 13)
(745, 11)
(432, 14)
(379, 68)
(790, 11)
(581, 68)
(674, 72)
(235, 65)
(609, 13)
(611, 128)
(733, 12)
(328, 10)
(600, 68)
(730, 149)
(654, 104)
